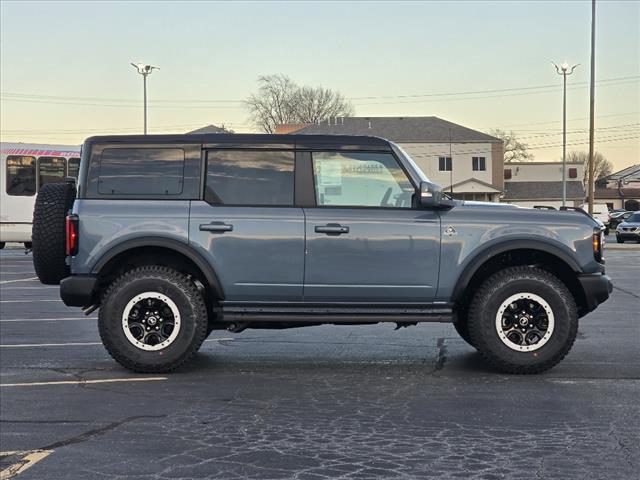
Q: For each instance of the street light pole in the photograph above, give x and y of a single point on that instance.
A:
(564, 71)
(145, 71)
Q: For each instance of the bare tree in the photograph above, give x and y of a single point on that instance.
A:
(514, 150)
(602, 166)
(279, 100)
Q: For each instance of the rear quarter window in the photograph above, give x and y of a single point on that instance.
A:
(141, 171)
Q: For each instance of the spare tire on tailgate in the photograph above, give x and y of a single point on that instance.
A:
(53, 202)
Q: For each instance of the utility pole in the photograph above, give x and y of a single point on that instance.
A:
(451, 160)
(592, 101)
(564, 71)
(145, 71)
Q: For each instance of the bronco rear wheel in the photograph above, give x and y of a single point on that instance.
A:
(152, 319)
(523, 320)
(48, 236)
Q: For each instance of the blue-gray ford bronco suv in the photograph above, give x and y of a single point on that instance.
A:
(173, 236)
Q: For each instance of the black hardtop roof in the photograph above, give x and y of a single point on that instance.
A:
(255, 140)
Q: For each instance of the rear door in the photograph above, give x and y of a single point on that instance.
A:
(248, 227)
(366, 240)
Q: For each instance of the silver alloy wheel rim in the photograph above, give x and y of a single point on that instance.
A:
(525, 322)
(151, 321)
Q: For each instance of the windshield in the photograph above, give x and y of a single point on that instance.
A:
(635, 218)
(409, 162)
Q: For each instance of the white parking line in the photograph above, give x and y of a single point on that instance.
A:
(63, 319)
(27, 345)
(28, 459)
(30, 301)
(81, 344)
(41, 287)
(18, 280)
(83, 382)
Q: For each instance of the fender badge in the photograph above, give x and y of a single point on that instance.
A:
(450, 231)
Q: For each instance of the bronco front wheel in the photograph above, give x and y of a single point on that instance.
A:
(523, 320)
(152, 319)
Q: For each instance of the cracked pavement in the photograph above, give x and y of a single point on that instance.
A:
(328, 402)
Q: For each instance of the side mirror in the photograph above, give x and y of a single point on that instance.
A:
(430, 195)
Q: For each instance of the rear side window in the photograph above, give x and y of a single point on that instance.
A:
(21, 175)
(141, 171)
(241, 177)
(51, 170)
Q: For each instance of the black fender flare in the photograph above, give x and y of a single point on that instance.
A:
(504, 246)
(171, 244)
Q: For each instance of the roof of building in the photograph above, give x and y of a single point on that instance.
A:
(628, 174)
(490, 188)
(542, 190)
(400, 129)
(210, 129)
(615, 193)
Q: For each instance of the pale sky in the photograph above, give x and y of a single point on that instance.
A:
(65, 72)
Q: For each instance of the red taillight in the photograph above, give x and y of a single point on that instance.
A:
(72, 235)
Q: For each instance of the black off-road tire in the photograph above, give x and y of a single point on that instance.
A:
(497, 289)
(461, 325)
(176, 286)
(48, 236)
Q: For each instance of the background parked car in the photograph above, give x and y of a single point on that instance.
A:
(629, 229)
(616, 218)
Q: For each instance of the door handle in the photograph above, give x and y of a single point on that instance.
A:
(216, 227)
(332, 229)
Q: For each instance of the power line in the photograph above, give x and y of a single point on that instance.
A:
(118, 102)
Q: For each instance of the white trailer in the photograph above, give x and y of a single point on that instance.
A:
(24, 168)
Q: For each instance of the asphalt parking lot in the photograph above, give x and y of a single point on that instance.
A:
(315, 403)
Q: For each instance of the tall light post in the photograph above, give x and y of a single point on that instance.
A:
(564, 71)
(145, 71)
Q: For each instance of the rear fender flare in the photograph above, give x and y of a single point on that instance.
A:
(171, 244)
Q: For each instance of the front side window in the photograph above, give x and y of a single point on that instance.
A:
(444, 164)
(250, 177)
(51, 170)
(479, 164)
(141, 171)
(73, 167)
(359, 179)
(21, 175)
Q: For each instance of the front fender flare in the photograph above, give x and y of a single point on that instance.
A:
(556, 249)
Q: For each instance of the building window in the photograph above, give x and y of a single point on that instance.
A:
(21, 176)
(444, 164)
(573, 173)
(244, 177)
(479, 164)
(507, 174)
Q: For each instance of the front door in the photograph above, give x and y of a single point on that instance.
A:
(365, 240)
(247, 226)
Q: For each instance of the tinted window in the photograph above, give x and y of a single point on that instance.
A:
(73, 166)
(479, 163)
(51, 170)
(360, 180)
(237, 177)
(141, 171)
(21, 175)
(444, 164)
